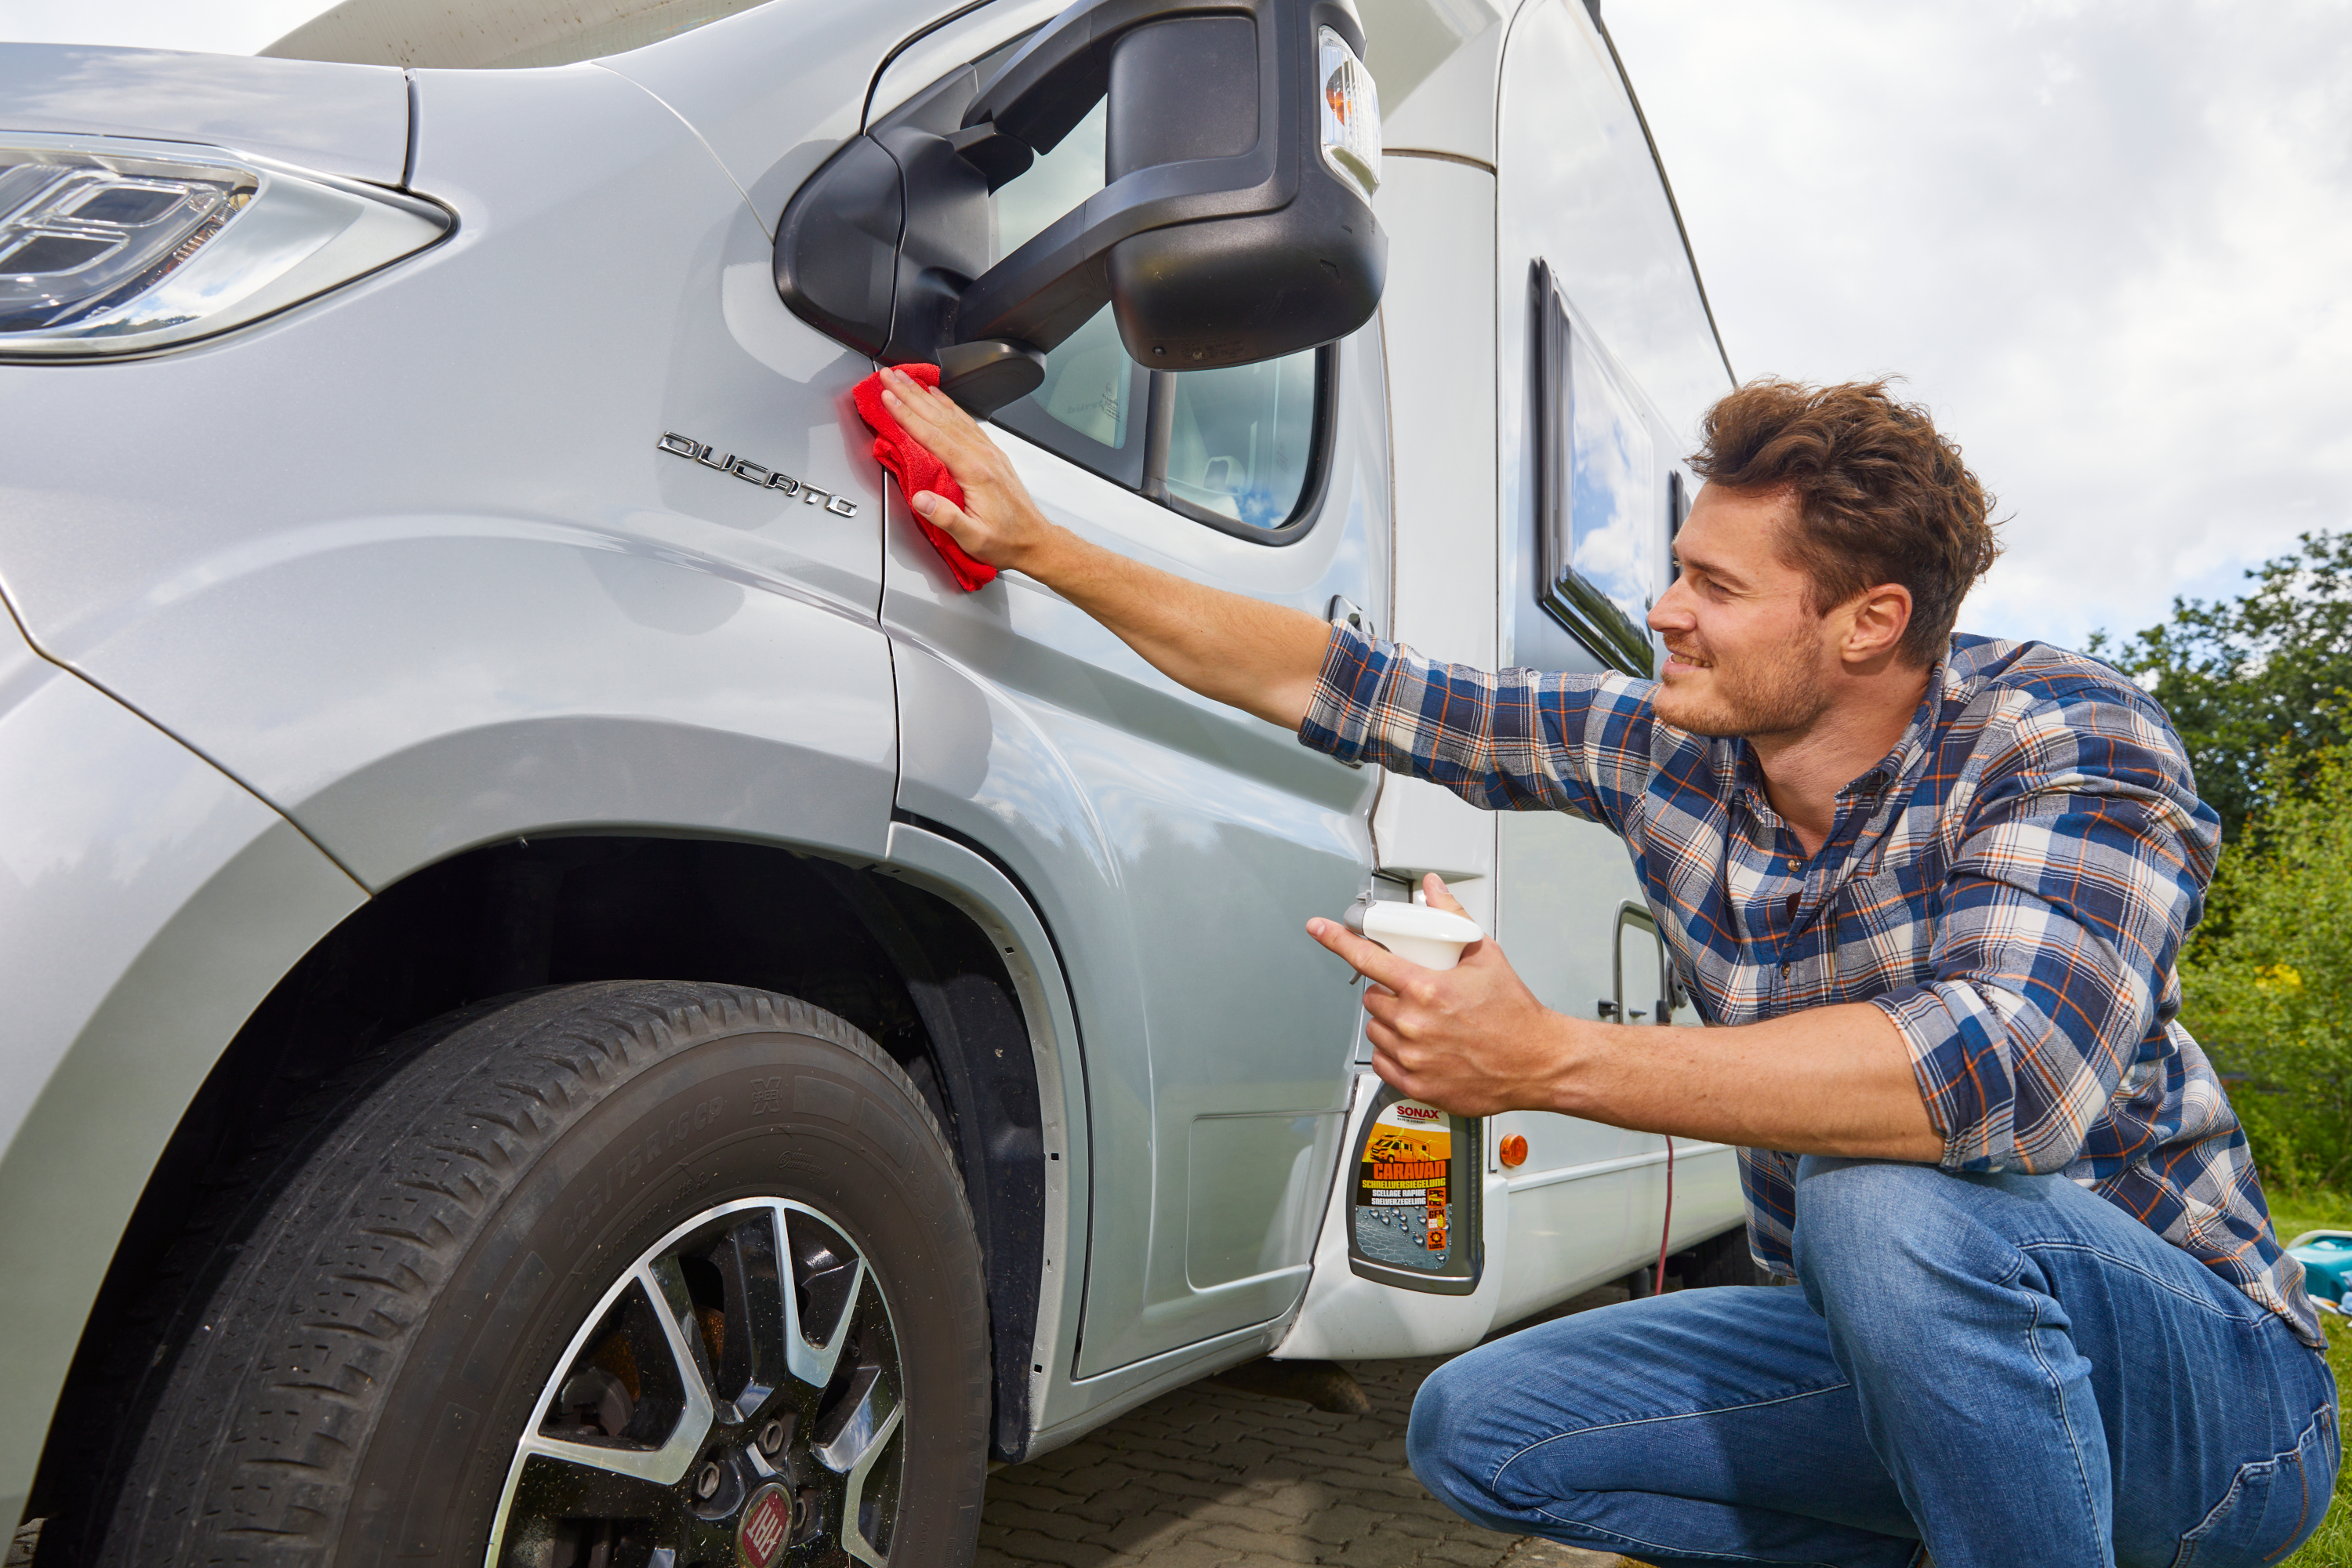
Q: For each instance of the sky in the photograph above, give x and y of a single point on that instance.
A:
(2106, 242)
(2107, 245)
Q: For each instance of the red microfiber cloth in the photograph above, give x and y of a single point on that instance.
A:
(913, 465)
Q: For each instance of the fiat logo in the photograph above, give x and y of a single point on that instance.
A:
(767, 1521)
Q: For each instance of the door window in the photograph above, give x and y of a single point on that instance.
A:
(1236, 449)
(1240, 440)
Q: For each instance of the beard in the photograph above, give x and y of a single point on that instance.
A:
(1769, 691)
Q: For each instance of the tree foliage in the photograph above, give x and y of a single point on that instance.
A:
(2265, 977)
(2256, 678)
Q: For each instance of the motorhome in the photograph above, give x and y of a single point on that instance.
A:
(574, 999)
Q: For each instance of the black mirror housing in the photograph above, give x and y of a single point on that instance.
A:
(1222, 234)
(1228, 231)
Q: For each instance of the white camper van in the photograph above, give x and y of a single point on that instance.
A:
(572, 999)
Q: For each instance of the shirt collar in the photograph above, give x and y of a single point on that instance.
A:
(1910, 752)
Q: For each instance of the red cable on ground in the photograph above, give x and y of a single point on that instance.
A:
(1658, 1280)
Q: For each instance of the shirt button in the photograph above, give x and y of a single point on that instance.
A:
(1784, 972)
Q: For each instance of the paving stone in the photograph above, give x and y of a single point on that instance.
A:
(1483, 1552)
(1141, 1537)
(1026, 1546)
(1061, 1526)
(1192, 1552)
(1535, 1552)
(1240, 1515)
(1259, 1543)
(1215, 1477)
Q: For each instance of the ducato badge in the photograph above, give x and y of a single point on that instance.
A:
(752, 473)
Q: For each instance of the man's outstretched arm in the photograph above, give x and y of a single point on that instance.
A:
(1260, 658)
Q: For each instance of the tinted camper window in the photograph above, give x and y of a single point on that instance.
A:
(1597, 531)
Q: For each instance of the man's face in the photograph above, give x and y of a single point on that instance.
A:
(1746, 655)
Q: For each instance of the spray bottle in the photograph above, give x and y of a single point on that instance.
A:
(1414, 1213)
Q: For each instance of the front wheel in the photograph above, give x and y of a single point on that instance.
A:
(639, 1275)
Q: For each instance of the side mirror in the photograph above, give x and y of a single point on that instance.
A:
(1235, 223)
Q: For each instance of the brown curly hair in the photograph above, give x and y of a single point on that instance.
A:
(1881, 497)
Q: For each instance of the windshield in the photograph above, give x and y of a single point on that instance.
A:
(512, 33)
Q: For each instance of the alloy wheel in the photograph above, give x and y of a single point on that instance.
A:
(732, 1402)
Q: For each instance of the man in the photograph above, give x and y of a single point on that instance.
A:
(1930, 888)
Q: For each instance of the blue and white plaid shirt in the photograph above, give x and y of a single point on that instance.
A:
(2011, 885)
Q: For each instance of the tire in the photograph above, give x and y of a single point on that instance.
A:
(450, 1315)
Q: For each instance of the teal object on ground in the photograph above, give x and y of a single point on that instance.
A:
(2326, 1259)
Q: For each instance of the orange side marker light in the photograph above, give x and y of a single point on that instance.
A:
(1514, 1150)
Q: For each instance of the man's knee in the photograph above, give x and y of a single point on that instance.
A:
(1435, 1443)
(1864, 1223)
(1879, 1244)
(1447, 1447)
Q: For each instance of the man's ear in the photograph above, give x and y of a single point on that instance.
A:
(1880, 617)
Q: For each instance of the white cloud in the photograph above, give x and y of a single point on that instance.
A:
(2105, 242)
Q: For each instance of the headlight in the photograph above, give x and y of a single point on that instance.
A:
(1351, 114)
(112, 247)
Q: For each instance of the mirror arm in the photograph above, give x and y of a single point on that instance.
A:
(1000, 156)
(1052, 286)
(1041, 93)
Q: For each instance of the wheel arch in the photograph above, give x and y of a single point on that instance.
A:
(922, 956)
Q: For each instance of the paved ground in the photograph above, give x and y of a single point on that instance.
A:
(1210, 1475)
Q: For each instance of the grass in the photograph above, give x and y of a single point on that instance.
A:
(2331, 1546)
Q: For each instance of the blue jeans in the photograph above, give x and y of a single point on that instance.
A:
(2006, 1371)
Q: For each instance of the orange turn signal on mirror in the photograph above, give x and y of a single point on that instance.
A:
(1514, 1150)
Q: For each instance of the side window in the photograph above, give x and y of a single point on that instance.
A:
(1597, 533)
(1237, 448)
(1241, 441)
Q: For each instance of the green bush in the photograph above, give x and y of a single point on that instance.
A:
(2266, 978)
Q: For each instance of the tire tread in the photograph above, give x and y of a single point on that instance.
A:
(338, 1265)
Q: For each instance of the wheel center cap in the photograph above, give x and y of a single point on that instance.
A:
(767, 1523)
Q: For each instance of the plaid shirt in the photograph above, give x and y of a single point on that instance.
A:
(2010, 885)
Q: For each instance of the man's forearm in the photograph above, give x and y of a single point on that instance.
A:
(1474, 1039)
(1829, 1080)
(1261, 658)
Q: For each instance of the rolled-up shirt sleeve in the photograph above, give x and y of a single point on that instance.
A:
(1516, 739)
(2081, 870)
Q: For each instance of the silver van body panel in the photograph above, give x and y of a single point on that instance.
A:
(1175, 847)
(549, 623)
(337, 118)
(1436, 62)
(147, 905)
(775, 89)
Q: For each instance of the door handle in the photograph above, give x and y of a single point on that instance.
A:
(1345, 611)
(1633, 914)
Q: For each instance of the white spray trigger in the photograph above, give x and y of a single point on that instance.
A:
(1431, 938)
